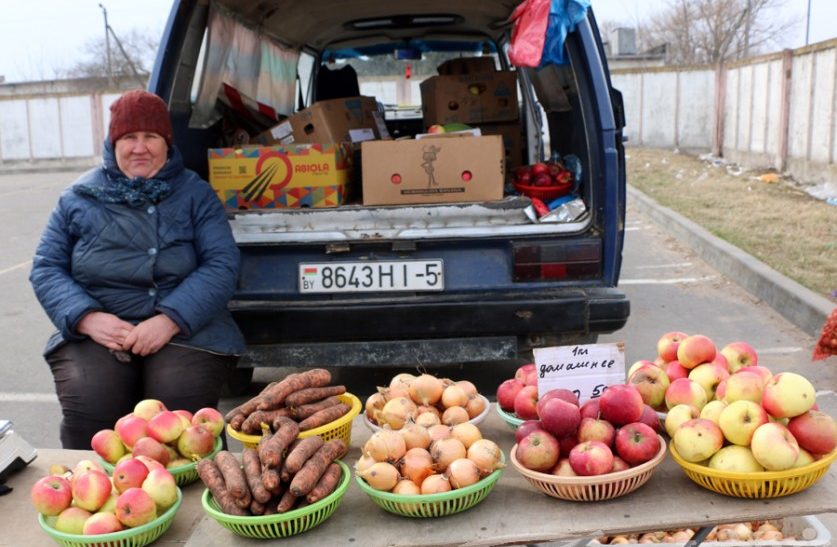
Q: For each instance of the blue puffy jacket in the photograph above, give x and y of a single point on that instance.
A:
(177, 257)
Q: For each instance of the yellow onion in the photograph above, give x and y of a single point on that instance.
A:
(486, 454)
(374, 404)
(380, 476)
(385, 445)
(438, 431)
(467, 433)
(428, 408)
(396, 412)
(475, 406)
(455, 415)
(426, 389)
(453, 395)
(435, 484)
(428, 419)
(402, 381)
(468, 387)
(363, 462)
(444, 451)
(462, 472)
(406, 487)
(416, 464)
(415, 436)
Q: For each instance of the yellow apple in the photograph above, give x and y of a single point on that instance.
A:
(678, 415)
(774, 447)
(712, 410)
(740, 419)
(735, 458)
(698, 440)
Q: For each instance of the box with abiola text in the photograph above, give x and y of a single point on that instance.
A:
(441, 169)
(293, 175)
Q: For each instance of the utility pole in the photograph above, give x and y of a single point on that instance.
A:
(747, 30)
(107, 46)
(808, 23)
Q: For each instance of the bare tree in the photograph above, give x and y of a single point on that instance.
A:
(712, 31)
(132, 54)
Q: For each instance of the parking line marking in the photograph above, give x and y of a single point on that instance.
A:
(779, 351)
(28, 398)
(16, 267)
(655, 266)
(666, 281)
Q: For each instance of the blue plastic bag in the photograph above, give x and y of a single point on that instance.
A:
(564, 15)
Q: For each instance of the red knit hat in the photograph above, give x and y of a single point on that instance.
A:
(139, 110)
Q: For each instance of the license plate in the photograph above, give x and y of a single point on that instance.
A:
(378, 276)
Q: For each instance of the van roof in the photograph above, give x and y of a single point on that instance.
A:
(336, 24)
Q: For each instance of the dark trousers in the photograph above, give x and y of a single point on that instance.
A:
(95, 388)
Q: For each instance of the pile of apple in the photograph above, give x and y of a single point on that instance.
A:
(543, 174)
(604, 435)
(416, 460)
(727, 411)
(86, 501)
(425, 400)
(170, 437)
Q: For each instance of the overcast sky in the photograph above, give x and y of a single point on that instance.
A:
(37, 37)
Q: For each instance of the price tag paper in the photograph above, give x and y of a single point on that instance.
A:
(586, 370)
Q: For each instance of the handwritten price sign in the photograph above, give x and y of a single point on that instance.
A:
(585, 370)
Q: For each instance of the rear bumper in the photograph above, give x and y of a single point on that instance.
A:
(567, 311)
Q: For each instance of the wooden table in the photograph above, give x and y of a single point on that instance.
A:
(513, 513)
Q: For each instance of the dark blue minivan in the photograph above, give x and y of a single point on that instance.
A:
(496, 279)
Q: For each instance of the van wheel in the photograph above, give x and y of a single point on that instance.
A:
(238, 382)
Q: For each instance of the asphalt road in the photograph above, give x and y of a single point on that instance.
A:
(669, 288)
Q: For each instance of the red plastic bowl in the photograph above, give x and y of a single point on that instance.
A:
(545, 193)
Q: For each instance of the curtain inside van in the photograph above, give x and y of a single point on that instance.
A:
(245, 70)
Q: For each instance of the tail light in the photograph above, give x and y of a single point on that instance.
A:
(567, 260)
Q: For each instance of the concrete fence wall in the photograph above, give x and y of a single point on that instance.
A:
(775, 111)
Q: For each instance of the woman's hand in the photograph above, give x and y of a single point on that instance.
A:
(150, 335)
(105, 329)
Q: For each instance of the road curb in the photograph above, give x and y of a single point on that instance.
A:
(799, 305)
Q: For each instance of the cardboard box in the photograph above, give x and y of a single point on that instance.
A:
(512, 141)
(352, 119)
(294, 175)
(467, 65)
(473, 98)
(433, 170)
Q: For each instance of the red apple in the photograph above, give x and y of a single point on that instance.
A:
(621, 404)
(593, 429)
(539, 168)
(667, 345)
(651, 381)
(538, 451)
(637, 443)
(135, 507)
(560, 393)
(71, 520)
(721, 361)
(525, 403)
(788, 394)
(675, 370)
(165, 426)
(91, 490)
(211, 419)
(651, 419)
(185, 417)
(131, 428)
(591, 458)
(563, 469)
(148, 408)
(567, 443)
(162, 487)
(107, 444)
(739, 355)
(559, 417)
(196, 442)
(764, 372)
(101, 523)
(590, 408)
(523, 370)
(152, 448)
(815, 431)
(525, 428)
(695, 349)
(51, 495)
(506, 393)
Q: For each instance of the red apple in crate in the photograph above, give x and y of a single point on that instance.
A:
(195, 442)
(590, 408)
(134, 507)
(539, 168)
(686, 391)
(542, 180)
(594, 429)
(152, 448)
(675, 370)
(523, 371)
(739, 355)
(560, 393)
(527, 427)
(567, 443)
(185, 417)
(668, 343)
(538, 451)
(559, 417)
(739, 420)
(637, 365)
(150, 463)
(101, 523)
(211, 419)
(788, 394)
(162, 487)
(50, 495)
(721, 361)
(165, 426)
(621, 404)
(698, 439)
(525, 403)
(129, 473)
(107, 444)
(130, 429)
(71, 520)
(507, 391)
(591, 458)
(619, 465)
(651, 419)
(744, 385)
(637, 443)
(563, 469)
(815, 431)
(91, 490)
(695, 349)
(148, 408)
(651, 382)
(774, 447)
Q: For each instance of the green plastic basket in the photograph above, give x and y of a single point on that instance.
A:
(130, 537)
(280, 525)
(183, 474)
(433, 505)
(511, 420)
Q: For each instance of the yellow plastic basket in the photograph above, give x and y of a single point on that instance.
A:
(340, 428)
(758, 485)
(280, 525)
(183, 474)
(593, 488)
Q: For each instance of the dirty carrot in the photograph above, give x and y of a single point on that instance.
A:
(272, 450)
(275, 397)
(304, 411)
(326, 484)
(297, 457)
(325, 416)
(307, 477)
(253, 472)
(313, 394)
(212, 478)
(233, 474)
